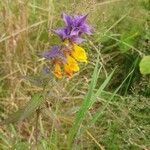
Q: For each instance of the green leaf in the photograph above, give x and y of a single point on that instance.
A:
(145, 65)
(25, 112)
(102, 87)
(84, 107)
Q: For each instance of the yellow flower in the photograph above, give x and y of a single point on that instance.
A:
(71, 66)
(72, 63)
(57, 70)
(73, 54)
(68, 71)
(79, 53)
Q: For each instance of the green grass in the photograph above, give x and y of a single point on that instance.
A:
(105, 106)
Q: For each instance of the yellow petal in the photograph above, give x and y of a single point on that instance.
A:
(68, 71)
(79, 53)
(72, 63)
(57, 71)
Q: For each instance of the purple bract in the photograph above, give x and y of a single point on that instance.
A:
(74, 29)
(54, 53)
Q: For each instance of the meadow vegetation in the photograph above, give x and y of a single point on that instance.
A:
(105, 106)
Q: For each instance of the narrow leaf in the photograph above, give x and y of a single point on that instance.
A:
(84, 107)
(99, 91)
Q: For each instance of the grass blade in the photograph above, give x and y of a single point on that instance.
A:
(100, 111)
(99, 91)
(84, 108)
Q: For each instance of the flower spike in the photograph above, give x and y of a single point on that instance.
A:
(69, 52)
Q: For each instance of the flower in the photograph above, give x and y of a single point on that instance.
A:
(65, 34)
(67, 56)
(77, 25)
(58, 58)
(54, 53)
(71, 66)
(74, 29)
(79, 53)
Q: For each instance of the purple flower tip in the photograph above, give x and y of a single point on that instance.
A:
(54, 52)
(67, 19)
(74, 28)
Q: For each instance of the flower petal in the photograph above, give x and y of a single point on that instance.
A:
(68, 71)
(72, 63)
(67, 19)
(74, 32)
(77, 40)
(54, 52)
(79, 53)
(57, 71)
(71, 66)
(86, 29)
(80, 20)
(61, 33)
